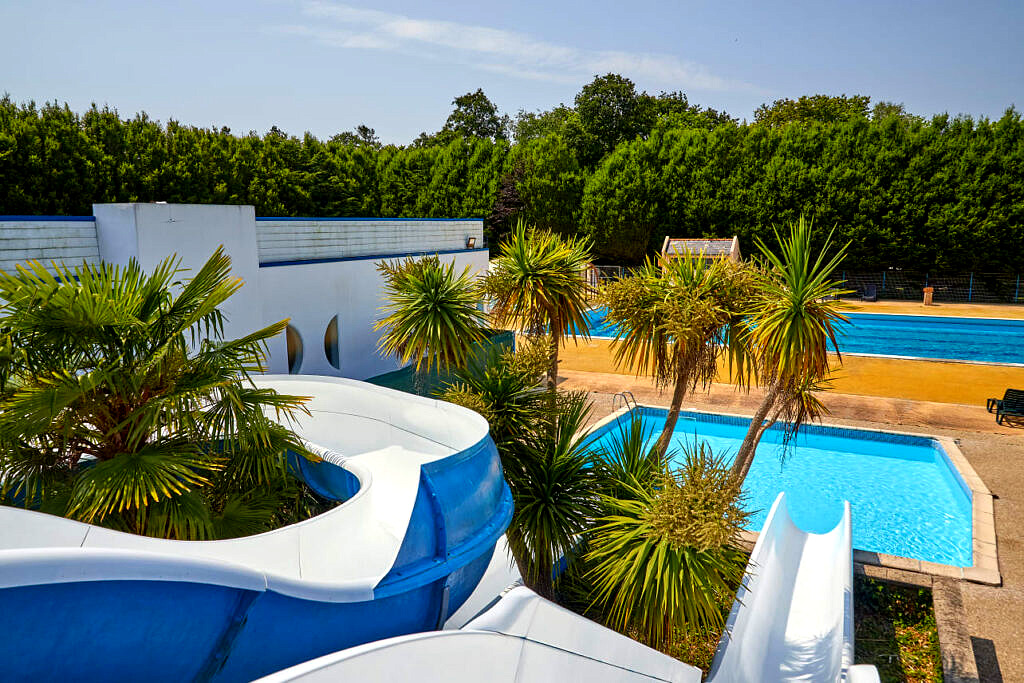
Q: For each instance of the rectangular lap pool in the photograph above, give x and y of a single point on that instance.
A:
(906, 497)
(917, 336)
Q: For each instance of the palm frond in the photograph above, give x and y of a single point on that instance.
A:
(432, 315)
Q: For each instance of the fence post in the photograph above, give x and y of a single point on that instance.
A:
(1016, 292)
(970, 289)
(883, 281)
(926, 279)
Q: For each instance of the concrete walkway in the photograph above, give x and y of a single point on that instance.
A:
(995, 615)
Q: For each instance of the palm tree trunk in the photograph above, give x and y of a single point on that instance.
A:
(745, 455)
(673, 416)
(553, 369)
(541, 584)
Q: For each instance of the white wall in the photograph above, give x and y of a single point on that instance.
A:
(342, 281)
(311, 294)
(37, 239)
(152, 232)
(304, 239)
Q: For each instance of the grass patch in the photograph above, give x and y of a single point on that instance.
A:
(895, 630)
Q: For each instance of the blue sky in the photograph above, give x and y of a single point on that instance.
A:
(395, 65)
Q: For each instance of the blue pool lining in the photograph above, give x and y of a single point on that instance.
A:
(982, 570)
(916, 318)
(866, 434)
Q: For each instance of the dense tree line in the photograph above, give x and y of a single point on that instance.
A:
(623, 167)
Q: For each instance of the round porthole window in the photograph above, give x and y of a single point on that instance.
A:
(331, 343)
(294, 349)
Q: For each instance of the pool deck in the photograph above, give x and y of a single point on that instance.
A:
(995, 614)
(1011, 311)
(899, 378)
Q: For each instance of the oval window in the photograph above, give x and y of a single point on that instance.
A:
(294, 349)
(331, 343)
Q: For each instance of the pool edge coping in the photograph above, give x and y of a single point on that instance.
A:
(985, 551)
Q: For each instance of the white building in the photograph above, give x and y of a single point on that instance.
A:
(319, 272)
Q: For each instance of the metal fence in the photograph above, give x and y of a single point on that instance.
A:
(1003, 288)
(967, 287)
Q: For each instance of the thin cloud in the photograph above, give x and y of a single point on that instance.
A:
(495, 50)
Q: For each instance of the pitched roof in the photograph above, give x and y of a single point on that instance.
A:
(710, 247)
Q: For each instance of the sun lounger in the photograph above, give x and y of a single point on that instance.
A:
(1010, 405)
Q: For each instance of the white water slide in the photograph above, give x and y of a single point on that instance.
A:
(792, 621)
(793, 616)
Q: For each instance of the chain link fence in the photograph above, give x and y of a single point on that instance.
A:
(897, 284)
(995, 288)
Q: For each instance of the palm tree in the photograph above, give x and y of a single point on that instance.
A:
(675, 319)
(432, 315)
(124, 406)
(791, 329)
(665, 557)
(553, 476)
(537, 285)
(551, 470)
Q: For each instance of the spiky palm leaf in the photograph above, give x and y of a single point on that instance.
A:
(432, 315)
(663, 557)
(554, 481)
(537, 285)
(792, 329)
(125, 406)
(628, 461)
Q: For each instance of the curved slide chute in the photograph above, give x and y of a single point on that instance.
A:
(793, 615)
(521, 639)
(425, 503)
(792, 621)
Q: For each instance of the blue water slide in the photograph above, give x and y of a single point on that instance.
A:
(425, 503)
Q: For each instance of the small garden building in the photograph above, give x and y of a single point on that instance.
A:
(710, 248)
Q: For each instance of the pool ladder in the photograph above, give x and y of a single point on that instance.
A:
(628, 400)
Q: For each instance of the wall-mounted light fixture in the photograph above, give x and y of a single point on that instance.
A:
(470, 242)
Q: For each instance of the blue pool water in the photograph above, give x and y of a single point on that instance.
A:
(905, 496)
(918, 336)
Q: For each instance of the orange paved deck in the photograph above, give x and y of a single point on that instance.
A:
(918, 380)
(1014, 311)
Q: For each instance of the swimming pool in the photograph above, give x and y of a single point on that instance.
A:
(917, 336)
(906, 498)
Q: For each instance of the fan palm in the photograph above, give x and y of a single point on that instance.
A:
(124, 406)
(432, 315)
(537, 285)
(674, 319)
(792, 326)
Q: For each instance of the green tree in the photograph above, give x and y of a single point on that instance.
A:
(361, 136)
(537, 285)
(665, 557)
(535, 125)
(432, 315)
(811, 108)
(551, 187)
(609, 111)
(122, 405)
(551, 470)
(792, 327)
(475, 116)
(675, 319)
(553, 476)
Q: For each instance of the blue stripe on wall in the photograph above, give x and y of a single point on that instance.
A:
(47, 218)
(313, 218)
(338, 259)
